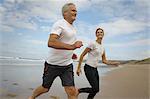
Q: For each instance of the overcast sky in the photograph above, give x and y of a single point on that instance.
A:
(25, 26)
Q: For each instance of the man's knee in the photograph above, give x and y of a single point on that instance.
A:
(71, 91)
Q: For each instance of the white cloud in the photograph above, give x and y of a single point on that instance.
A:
(2, 10)
(84, 28)
(129, 9)
(5, 28)
(10, 1)
(51, 11)
(122, 26)
(20, 34)
(143, 3)
(15, 17)
(138, 49)
(135, 43)
(23, 13)
(21, 24)
(36, 42)
(45, 28)
(44, 10)
(140, 42)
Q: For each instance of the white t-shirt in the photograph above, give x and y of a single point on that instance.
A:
(67, 35)
(95, 54)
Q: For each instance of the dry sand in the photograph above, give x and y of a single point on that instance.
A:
(127, 82)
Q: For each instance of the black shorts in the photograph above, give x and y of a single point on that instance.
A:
(65, 73)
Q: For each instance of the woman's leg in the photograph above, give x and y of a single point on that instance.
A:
(93, 78)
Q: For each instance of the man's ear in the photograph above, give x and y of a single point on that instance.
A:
(65, 13)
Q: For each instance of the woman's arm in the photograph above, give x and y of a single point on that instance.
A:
(81, 59)
(105, 61)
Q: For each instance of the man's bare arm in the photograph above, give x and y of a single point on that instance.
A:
(55, 43)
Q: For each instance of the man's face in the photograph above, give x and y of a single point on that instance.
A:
(71, 13)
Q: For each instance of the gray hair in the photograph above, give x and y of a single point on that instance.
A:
(66, 7)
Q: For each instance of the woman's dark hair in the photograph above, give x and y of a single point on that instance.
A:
(98, 29)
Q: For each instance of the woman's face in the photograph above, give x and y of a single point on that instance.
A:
(100, 34)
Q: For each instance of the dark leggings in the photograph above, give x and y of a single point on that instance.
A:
(93, 78)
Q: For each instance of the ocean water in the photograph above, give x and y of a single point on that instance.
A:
(26, 65)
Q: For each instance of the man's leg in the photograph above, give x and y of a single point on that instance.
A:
(72, 92)
(47, 81)
(38, 91)
(67, 78)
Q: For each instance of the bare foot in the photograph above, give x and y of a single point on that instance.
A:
(54, 97)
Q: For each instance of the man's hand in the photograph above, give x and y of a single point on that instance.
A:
(77, 44)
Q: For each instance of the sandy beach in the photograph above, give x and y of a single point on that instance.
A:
(128, 81)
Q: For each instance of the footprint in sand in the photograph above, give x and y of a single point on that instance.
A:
(15, 84)
(54, 97)
(31, 88)
(11, 95)
(5, 80)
